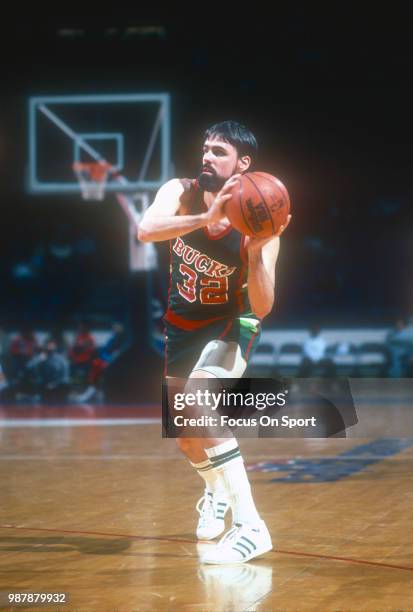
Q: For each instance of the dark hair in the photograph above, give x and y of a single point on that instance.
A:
(235, 134)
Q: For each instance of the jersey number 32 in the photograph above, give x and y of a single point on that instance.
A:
(212, 291)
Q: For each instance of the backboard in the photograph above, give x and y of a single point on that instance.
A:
(129, 131)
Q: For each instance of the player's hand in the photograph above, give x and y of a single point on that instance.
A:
(254, 243)
(217, 210)
(282, 228)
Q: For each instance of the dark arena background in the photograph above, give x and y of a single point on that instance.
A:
(98, 506)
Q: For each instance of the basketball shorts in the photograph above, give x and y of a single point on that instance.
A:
(222, 348)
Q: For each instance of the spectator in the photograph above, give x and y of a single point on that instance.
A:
(82, 353)
(58, 337)
(103, 358)
(400, 345)
(3, 343)
(3, 358)
(49, 374)
(22, 348)
(314, 349)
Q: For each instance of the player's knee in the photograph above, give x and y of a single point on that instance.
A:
(186, 445)
(182, 444)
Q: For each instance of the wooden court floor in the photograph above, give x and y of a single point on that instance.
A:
(106, 514)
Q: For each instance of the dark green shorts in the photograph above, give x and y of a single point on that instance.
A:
(222, 348)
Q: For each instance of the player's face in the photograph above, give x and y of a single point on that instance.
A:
(219, 162)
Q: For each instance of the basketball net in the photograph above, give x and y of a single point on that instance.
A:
(92, 178)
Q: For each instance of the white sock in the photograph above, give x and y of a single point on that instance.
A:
(227, 461)
(211, 476)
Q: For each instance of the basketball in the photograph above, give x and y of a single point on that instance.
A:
(259, 205)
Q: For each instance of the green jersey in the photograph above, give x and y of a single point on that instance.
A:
(208, 273)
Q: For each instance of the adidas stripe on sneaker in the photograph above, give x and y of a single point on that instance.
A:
(241, 543)
(212, 510)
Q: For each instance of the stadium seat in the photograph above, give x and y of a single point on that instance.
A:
(289, 359)
(372, 360)
(344, 357)
(263, 361)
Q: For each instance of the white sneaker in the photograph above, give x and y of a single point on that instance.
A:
(212, 510)
(240, 544)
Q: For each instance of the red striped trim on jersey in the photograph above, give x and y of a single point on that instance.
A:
(242, 274)
(189, 324)
(170, 273)
(247, 352)
(165, 368)
(226, 329)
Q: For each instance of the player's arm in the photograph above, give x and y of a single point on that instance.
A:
(262, 259)
(161, 220)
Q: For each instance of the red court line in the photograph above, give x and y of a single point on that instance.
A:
(186, 541)
(347, 559)
(78, 411)
(100, 533)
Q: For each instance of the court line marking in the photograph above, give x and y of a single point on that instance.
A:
(157, 457)
(87, 457)
(186, 541)
(9, 423)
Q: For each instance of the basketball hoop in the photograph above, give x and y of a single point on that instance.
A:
(92, 178)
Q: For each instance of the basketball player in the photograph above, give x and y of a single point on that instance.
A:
(222, 286)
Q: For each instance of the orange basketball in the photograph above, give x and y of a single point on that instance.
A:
(259, 205)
